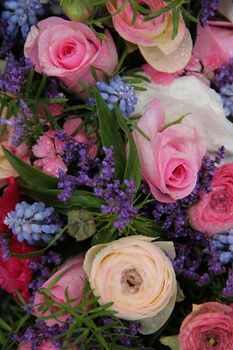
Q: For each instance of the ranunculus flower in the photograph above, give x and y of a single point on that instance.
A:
(15, 275)
(209, 326)
(137, 276)
(73, 281)
(214, 45)
(55, 109)
(8, 200)
(170, 161)
(214, 212)
(68, 49)
(154, 38)
(204, 105)
(49, 149)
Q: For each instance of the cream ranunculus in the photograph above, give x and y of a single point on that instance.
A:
(137, 276)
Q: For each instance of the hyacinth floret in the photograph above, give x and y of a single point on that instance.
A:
(34, 223)
(118, 92)
(21, 14)
(226, 93)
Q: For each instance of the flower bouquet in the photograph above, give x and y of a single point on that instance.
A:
(116, 174)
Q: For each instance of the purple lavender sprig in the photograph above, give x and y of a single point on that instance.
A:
(104, 185)
(14, 75)
(209, 7)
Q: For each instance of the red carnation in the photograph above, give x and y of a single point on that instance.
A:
(8, 200)
(15, 275)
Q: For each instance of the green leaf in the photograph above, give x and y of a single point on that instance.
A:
(110, 135)
(133, 169)
(171, 342)
(32, 176)
(175, 21)
(4, 325)
(79, 199)
(148, 227)
(175, 122)
(42, 251)
(104, 237)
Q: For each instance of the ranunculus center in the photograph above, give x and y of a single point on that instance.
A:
(131, 281)
(212, 342)
(221, 201)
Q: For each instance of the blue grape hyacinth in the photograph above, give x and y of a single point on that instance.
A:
(226, 93)
(21, 14)
(224, 246)
(33, 223)
(118, 92)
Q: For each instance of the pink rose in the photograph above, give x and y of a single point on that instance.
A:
(210, 325)
(214, 212)
(153, 37)
(73, 280)
(214, 45)
(68, 49)
(172, 158)
(47, 345)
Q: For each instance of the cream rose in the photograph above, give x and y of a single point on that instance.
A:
(137, 276)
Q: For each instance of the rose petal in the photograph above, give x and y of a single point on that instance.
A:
(172, 62)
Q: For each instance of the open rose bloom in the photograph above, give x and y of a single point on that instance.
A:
(124, 271)
(154, 38)
(67, 49)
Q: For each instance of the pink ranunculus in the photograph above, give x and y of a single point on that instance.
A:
(208, 326)
(154, 37)
(47, 345)
(214, 212)
(55, 109)
(171, 159)
(73, 281)
(68, 49)
(214, 44)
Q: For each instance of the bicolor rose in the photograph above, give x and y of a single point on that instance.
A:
(226, 8)
(137, 276)
(73, 281)
(171, 158)
(68, 49)
(214, 212)
(188, 95)
(8, 200)
(209, 326)
(154, 38)
(214, 45)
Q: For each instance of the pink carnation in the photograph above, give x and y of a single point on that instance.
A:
(73, 281)
(170, 161)
(214, 212)
(209, 325)
(68, 49)
(49, 149)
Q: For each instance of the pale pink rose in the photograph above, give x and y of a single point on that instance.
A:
(49, 149)
(214, 44)
(47, 345)
(170, 161)
(154, 37)
(73, 281)
(68, 49)
(124, 272)
(209, 326)
(214, 212)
